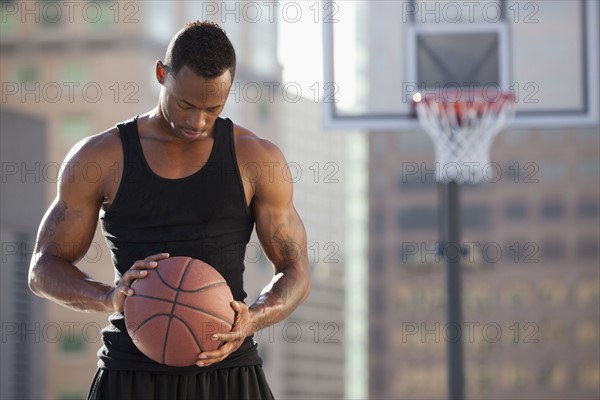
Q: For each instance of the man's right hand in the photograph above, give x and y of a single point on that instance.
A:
(119, 293)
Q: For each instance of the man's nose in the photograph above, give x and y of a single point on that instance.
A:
(197, 121)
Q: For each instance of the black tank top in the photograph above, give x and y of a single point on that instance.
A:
(204, 216)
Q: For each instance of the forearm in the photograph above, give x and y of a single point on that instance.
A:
(288, 290)
(62, 282)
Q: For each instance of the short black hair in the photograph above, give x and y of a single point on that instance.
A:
(204, 48)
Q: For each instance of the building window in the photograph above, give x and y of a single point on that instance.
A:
(71, 344)
(51, 14)
(552, 375)
(103, 15)
(378, 184)
(553, 292)
(476, 217)
(416, 181)
(587, 292)
(72, 394)
(516, 210)
(75, 72)
(517, 294)
(378, 302)
(378, 222)
(588, 248)
(587, 332)
(75, 127)
(27, 74)
(553, 249)
(588, 208)
(553, 209)
(378, 340)
(19, 310)
(418, 218)
(378, 262)
(10, 22)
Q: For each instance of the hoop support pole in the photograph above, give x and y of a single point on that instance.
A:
(454, 291)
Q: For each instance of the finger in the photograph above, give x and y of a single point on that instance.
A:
(238, 307)
(211, 357)
(126, 290)
(143, 264)
(130, 276)
(157, 257)
(149, 262)
(228, 337)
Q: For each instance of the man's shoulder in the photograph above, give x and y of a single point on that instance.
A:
(101, 146)
(94, 159)
(253, 148)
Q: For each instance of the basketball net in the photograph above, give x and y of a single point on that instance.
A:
(463, 126)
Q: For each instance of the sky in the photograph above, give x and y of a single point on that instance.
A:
(299, 44)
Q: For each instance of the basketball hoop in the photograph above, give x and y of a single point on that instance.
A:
(463, 126)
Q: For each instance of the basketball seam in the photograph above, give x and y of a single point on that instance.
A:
(167, 315)
(210, 286)
(187, 268)
(188, 306)
(206, 312)
(190, 330)
(188, 291)
(147, 320)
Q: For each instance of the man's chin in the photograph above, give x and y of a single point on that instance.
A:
(191, 134)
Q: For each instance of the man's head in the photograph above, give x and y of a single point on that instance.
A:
(196, 77)
(204, 48)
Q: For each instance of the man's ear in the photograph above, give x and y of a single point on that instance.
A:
(161, 72)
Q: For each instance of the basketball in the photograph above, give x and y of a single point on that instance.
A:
(175, 310)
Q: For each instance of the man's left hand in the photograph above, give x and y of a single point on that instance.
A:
(243, 326)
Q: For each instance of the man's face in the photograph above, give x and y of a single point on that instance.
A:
(190, 103)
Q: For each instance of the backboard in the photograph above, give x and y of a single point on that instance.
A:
(378, 54)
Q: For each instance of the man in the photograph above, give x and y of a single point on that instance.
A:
(180, 189)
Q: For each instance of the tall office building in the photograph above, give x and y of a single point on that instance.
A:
(530, 281)
(21, 204)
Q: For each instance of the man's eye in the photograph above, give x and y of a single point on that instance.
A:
(184, 106)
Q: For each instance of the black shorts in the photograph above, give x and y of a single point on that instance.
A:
(228, 383)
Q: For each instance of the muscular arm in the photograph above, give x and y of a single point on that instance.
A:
(67, 230)
(64, 237)
(282, 235)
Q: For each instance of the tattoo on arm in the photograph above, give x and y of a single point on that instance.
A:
(57, 215)
(289, 250)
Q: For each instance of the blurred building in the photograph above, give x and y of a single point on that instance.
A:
(313, 365)
(530, 289)
(530, 281)
(77, 69)
(24, 323)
